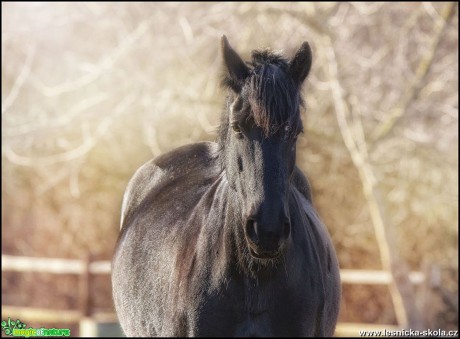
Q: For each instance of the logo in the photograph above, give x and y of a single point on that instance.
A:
(18, 329)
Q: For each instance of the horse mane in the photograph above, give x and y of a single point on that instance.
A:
(274, 97)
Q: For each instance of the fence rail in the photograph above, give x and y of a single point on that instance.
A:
(85, 268)
(52, 265)
(75, 266)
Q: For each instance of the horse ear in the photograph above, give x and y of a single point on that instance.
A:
(300, 65)
(237, 69)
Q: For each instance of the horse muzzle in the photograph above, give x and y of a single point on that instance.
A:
(266, 242)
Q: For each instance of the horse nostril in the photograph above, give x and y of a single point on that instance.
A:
(286, 229)
(251, 230)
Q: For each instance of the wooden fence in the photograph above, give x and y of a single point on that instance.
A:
(88, 320)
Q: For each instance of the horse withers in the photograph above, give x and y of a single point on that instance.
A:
(222, 239)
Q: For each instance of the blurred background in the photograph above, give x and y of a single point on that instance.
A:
(90, 91)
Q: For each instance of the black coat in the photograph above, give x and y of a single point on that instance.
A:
(179, 267)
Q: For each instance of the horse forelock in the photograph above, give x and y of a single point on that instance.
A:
(275, 99)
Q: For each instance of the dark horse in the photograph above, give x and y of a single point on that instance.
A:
(222, 239)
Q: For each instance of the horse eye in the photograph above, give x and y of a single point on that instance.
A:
(236, 128)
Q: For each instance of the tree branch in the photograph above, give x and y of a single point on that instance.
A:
(89, 142)
(400, 288)
(423, 68)
(20, 80)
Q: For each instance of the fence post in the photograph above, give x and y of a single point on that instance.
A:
(85, 288)
(88, 327)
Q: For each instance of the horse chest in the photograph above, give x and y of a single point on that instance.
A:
(242, 308)
(256, 308)
(254, 325)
